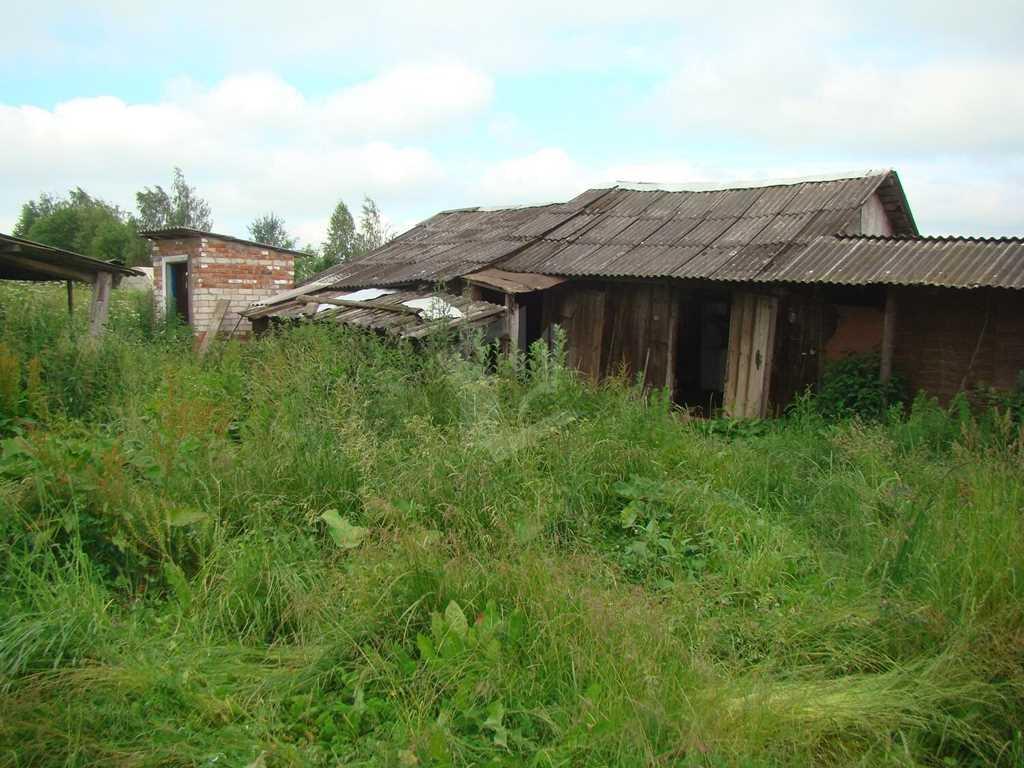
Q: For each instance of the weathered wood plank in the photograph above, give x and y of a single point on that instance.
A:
(100, 303)
(54, 271)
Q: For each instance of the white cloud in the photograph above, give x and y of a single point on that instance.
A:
(962, 106)
(544, 176)
(251, 143)
(551, 175)
(408, 99)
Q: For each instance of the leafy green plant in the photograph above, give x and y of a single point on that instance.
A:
(656, 546)
(852, 387)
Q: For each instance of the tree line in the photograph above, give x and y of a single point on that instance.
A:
(85, 224)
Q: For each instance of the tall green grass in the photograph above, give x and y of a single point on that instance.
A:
(321, 549)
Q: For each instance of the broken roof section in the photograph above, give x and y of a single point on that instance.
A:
(22, 259)
(632, 230)
(408, 314)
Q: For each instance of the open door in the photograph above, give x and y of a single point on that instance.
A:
(176, 289)
(749, 362)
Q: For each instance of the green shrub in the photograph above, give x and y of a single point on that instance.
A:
(852, 387)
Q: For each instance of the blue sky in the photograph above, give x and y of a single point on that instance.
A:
(288, 107)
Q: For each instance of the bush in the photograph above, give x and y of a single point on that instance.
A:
(852, 387)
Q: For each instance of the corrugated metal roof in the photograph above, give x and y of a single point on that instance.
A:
(722, 233)
(949, 262)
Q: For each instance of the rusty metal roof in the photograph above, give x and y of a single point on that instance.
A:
(633, 230)
(948, 262)
(409, 314)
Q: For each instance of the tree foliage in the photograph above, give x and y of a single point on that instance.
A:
(340, 244)
(373, 230)
(181, 207)
(269, 229)
(84, 224)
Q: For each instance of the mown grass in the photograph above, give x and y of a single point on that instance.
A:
(318, 549)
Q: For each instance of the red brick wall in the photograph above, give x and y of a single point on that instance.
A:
(222, 269)
(858, 331)
(939, 331)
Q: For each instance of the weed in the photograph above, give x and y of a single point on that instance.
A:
(319, 548)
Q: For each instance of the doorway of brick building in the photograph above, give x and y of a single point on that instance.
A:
(176, 288)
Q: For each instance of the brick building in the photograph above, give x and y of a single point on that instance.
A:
(193, 270)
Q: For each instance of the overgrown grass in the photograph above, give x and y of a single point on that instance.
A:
(318, 549)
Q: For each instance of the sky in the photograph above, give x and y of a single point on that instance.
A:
(289, 107)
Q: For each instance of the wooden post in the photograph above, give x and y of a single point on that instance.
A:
(888, 336)
(71, 297)
(673, 335)
(100, 303)
(512, 318)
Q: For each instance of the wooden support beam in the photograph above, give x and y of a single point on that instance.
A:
(100, 303)
(71, 297)
(673, 341)
(514, 324)
(888, 335)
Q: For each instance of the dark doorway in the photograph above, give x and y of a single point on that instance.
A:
(177, 289)
(703, 344)
(532, 306)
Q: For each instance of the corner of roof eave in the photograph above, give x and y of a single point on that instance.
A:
(894, 176)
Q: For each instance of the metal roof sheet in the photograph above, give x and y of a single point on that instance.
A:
(949, 262)
(748, 232)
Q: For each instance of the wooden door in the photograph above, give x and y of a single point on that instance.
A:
(580, 313)
(748, 366)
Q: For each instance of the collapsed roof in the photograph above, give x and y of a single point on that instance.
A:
(408, 314)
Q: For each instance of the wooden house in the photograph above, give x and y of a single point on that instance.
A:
(730, 296)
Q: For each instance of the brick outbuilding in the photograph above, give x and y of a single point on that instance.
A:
(193, 270)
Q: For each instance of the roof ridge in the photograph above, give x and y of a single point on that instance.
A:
(721, 186)
(933, 238)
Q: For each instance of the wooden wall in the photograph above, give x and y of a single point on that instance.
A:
(946, 338)
(613, 327)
